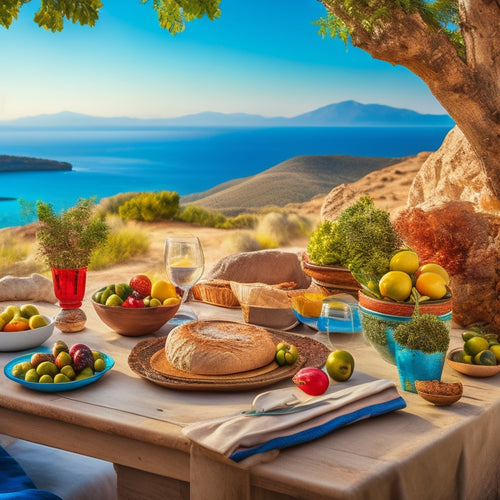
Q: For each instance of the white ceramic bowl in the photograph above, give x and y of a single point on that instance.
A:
(26, 339)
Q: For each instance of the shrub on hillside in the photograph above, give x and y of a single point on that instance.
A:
(240, 241)
(112, 204)
(274, 227)
(122, 244)
(16, 258)
(278, 228)
(150, 207)
(198, 215)
(242, 221)
(298, 226)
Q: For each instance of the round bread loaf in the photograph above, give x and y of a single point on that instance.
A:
(219, 347)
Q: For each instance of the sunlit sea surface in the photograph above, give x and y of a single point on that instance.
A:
(186, 160)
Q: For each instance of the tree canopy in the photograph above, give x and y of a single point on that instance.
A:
(172, 14)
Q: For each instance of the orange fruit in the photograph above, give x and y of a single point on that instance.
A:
(432, 285)
(396, 285)
(308, 304)
(406, 261)
(17, 325)
(431, 267)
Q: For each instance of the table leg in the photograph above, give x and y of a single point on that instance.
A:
(134, 484)
(211, 479)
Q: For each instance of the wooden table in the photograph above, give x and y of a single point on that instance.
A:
(422, 451)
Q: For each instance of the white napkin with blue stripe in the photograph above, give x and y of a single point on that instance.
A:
(245, 434)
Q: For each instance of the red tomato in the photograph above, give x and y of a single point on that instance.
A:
(312, 381)
(132, 302)
(142, 284)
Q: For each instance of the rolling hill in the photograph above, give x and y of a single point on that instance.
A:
(296, 180)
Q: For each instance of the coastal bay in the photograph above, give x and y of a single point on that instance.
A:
(187, 160)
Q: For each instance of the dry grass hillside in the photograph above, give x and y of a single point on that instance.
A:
(388, 187)
(296, 180)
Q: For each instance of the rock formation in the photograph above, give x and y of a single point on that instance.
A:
(452, 217)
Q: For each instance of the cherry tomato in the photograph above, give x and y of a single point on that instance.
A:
(132, 302)
(142, 284)
(312, 381)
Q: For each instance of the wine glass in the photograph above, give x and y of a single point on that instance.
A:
(184, 262)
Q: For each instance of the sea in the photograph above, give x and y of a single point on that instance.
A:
(107, 161)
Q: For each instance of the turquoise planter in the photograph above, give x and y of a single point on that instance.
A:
(417, 365)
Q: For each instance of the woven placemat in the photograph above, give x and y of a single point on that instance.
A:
(147, 359)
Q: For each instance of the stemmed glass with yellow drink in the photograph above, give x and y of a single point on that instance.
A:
(184, 262)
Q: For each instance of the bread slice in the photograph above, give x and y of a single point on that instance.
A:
(217, 292)
(219, 347)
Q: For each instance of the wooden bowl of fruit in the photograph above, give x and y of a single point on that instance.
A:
(140, 307)
(479, 355)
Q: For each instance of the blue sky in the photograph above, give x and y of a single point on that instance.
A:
(260, 56)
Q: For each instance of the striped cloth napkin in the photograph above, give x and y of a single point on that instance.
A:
(245, 434)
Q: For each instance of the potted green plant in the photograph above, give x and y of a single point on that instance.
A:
(420, 345)
(361, 241)
(66, 241)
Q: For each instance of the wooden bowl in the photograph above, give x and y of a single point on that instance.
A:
(439, 393)
(132, 322)
(330, 276)
(470, 369)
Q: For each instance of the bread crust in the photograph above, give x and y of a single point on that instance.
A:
(219, 347)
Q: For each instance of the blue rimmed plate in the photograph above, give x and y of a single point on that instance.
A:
(64, 386)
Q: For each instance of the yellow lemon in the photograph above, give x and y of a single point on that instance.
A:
(28, 310)
(162, 290)
(37, 321)
(171, 301)
(495, 349)
(406, 261)
(396, 285)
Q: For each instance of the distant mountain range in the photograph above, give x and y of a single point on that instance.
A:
(342, 114)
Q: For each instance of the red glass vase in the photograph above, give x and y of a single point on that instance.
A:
(69, 286)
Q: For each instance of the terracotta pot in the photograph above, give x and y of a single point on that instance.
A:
(380, 318)
(437, 307)
(336, 278)
(69, 286)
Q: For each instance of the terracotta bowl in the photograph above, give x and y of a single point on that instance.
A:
(470, 369)
(439, 393)
(132, 322)
(331, 277)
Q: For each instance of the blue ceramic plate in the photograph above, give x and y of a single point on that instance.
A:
(65, 386)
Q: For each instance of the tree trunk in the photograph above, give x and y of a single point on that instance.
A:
(452, 216)
(468, 89)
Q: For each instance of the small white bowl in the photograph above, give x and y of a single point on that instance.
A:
(26, 339)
